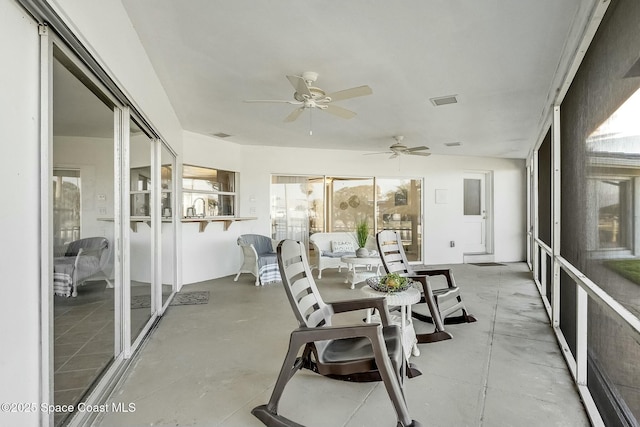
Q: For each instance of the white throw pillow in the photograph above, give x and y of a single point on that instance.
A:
(342, 246)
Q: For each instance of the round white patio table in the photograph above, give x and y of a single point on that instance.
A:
(404, 300)
(360, 269)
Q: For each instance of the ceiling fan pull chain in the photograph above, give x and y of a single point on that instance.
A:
(310, 122)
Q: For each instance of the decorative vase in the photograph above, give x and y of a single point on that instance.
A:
(362, 252)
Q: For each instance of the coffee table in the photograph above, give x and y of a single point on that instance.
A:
(404, 300)
(360, 269)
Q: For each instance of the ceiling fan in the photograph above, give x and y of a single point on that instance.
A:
(308, 96)
(398, 148)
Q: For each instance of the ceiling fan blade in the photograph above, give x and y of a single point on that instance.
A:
(294, 115)
(393, 156)
(381, 152)
(350, 93)
(422, 147)
(339, 111)
(299, 85)
(274, 101)
(415, 153)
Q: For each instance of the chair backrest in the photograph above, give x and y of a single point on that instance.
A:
(392, 253)
(301, 289)
(98, 245)
(262, 244)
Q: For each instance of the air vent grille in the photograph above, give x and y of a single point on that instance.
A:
(444, 100)
(453, 144)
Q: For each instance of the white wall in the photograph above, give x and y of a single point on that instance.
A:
(214, 252)
(20, 213)
(94, 158)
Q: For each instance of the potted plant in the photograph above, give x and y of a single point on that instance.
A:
(362, 234)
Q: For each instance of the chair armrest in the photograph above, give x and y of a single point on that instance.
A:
(442, 272)
(80, 253)
(249, 250)
(424, 281)
(379, 303)
(316, 248)
(307, 335)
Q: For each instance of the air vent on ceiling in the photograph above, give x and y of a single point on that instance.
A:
(453, 144)
(221, 135)
(444, 100)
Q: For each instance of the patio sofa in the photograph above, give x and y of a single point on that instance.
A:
(330, 247)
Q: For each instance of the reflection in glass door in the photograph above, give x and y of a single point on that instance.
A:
(66, 207)
(141, 229)
(83, 286)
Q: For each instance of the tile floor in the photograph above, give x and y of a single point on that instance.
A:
(209, 365)
(84, 339)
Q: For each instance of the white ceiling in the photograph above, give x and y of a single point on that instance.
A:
(500, 57)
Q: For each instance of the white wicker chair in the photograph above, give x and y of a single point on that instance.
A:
(259, 258)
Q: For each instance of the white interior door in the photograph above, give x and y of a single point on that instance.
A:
(475, 213)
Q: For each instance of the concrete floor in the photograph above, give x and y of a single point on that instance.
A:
(209, 365)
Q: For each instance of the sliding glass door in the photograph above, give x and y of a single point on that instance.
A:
(297, 207)
(167, 258)
(140, 231)
(112, 231)
(399, 208)
(82, 176)
(303, 205)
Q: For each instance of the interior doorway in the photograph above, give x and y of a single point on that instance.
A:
(477, 213)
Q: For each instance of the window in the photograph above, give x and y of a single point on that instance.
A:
(208, 192)
(472, 196)
(612, 206)
(66, 206)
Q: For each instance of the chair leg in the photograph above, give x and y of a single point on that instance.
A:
(433, 307)
(268, 413)
(391, 381)
(271, 419)
(237, 275)
(433, 337)
(413, 371)
(465, 317)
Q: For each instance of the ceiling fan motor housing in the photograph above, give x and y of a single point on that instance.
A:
(316, 94)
